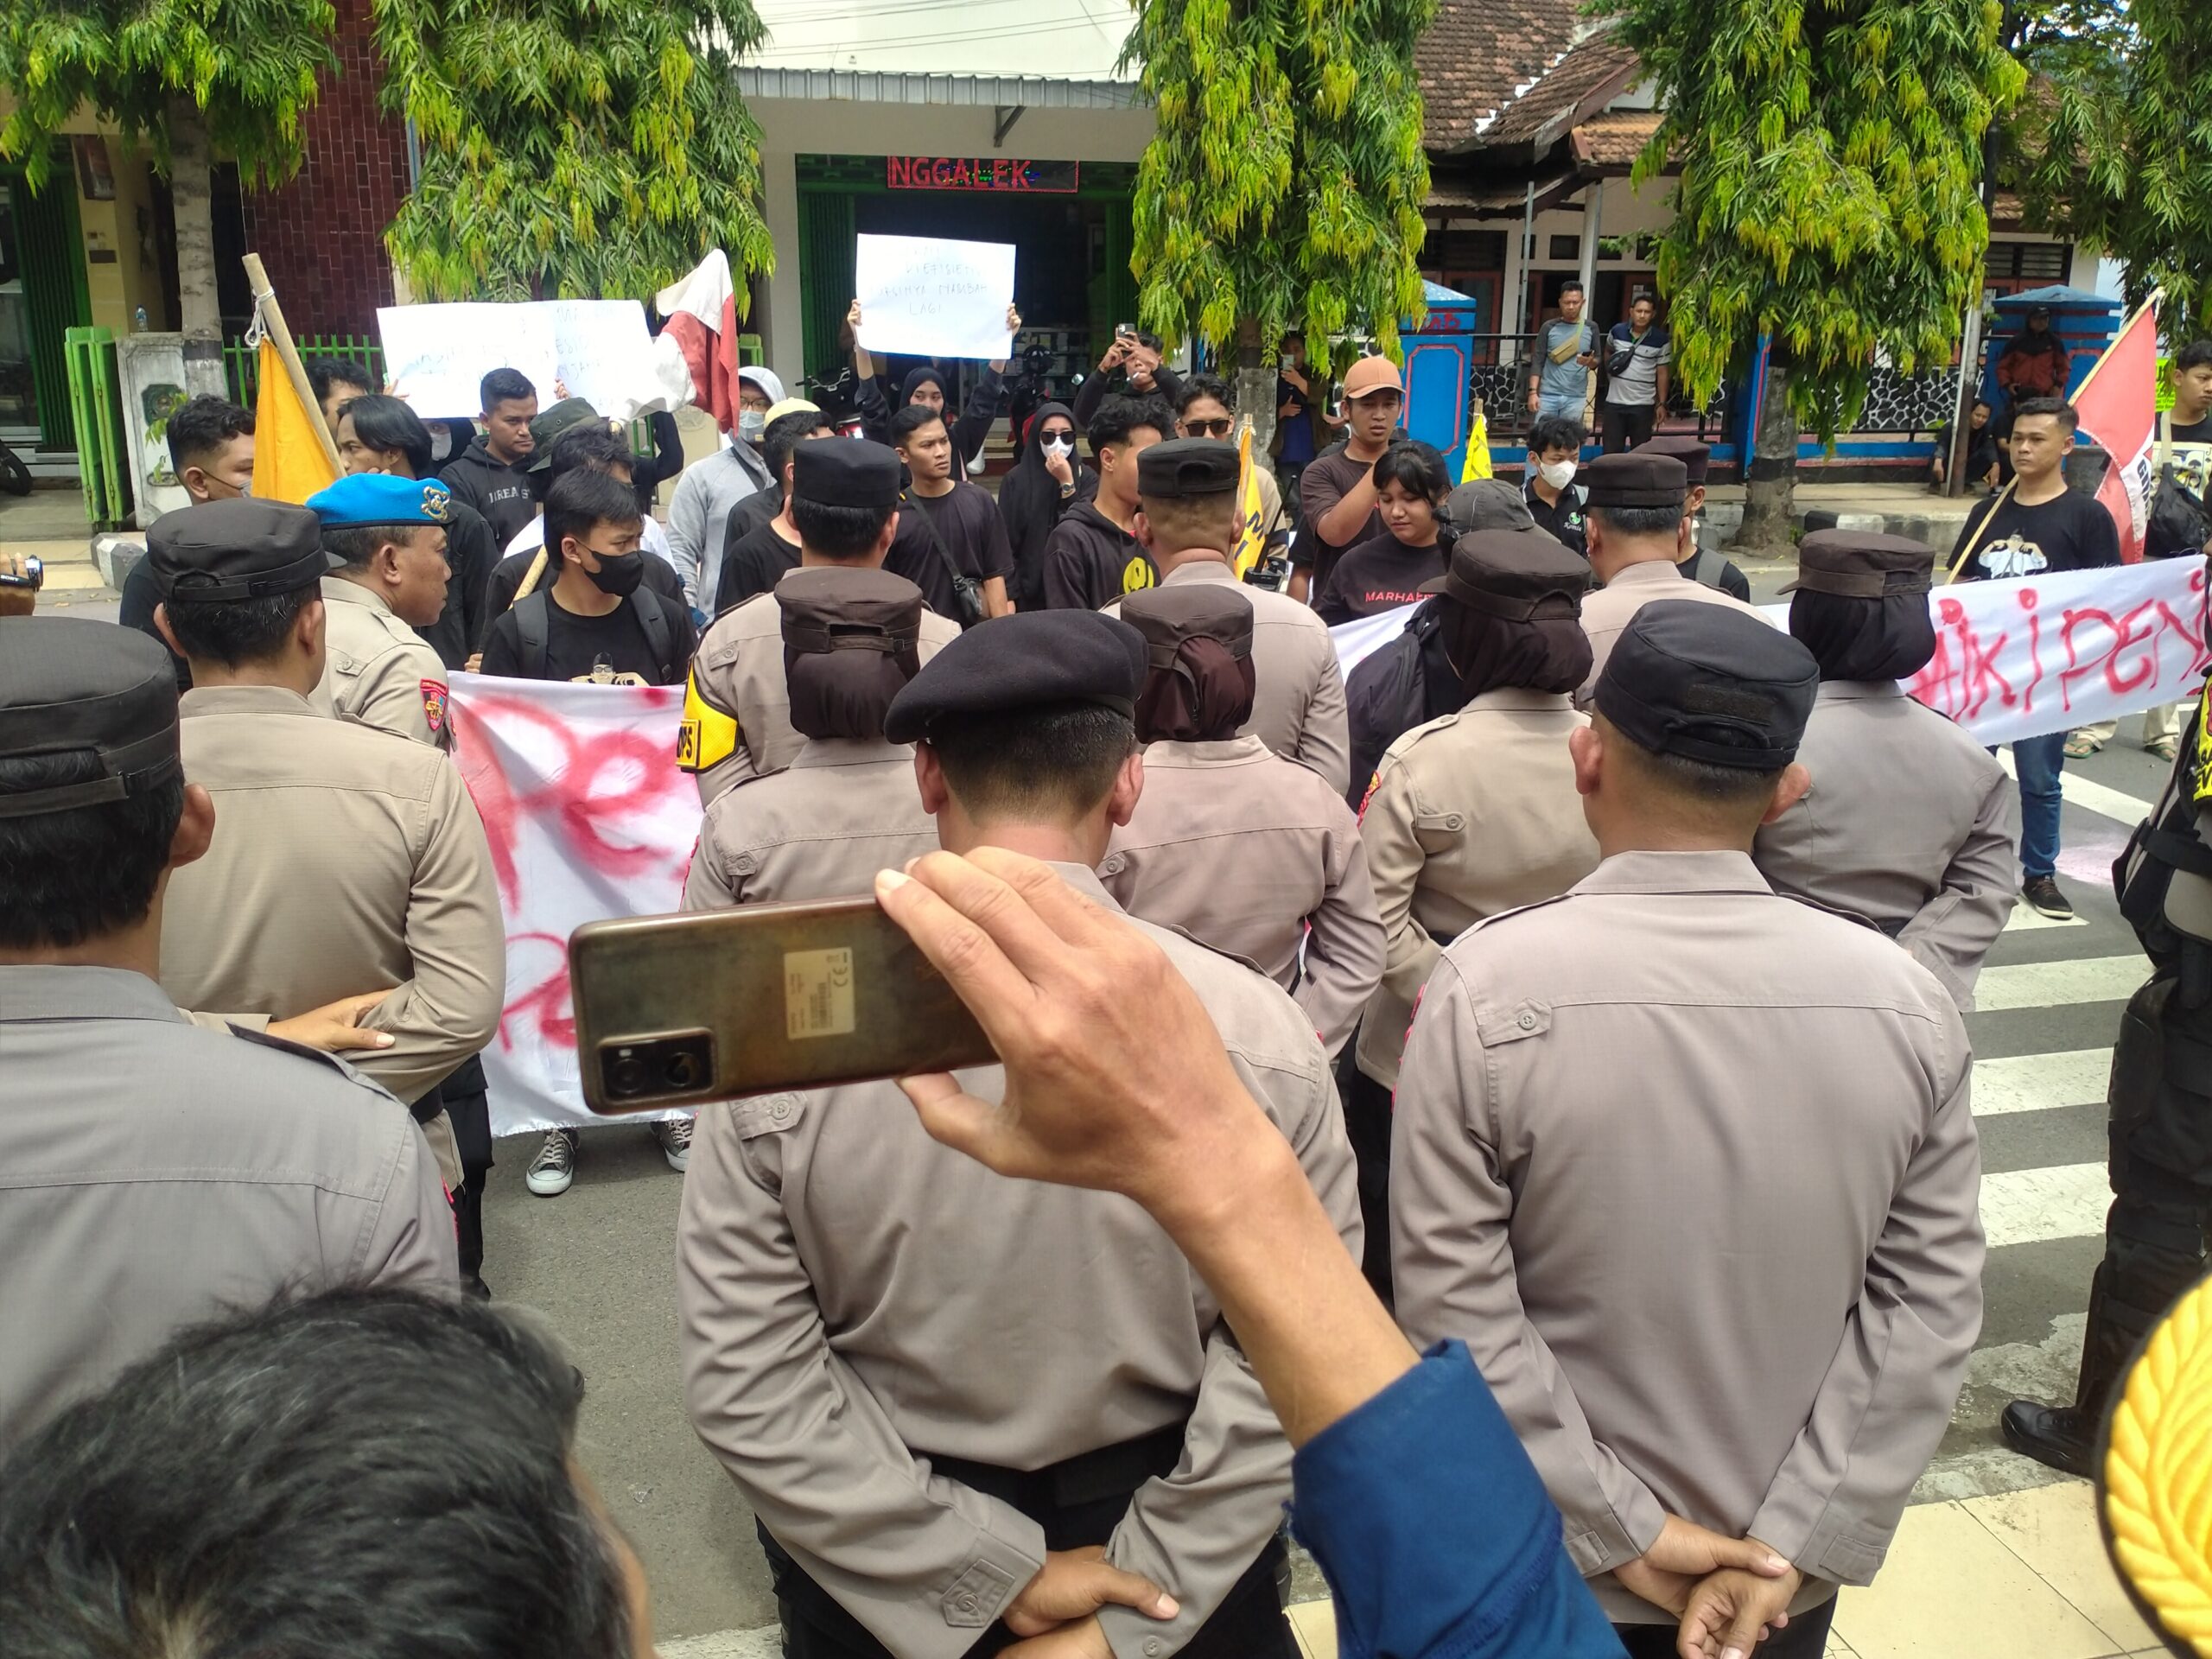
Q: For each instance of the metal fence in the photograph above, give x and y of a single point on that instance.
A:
(242, 363)
(1499, 378)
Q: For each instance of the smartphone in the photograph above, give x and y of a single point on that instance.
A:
(1125, 331)
(717, 1004)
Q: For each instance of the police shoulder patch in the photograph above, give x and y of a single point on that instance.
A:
(435, 698)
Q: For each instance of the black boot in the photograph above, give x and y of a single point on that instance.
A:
(2065, 1437)
(2061, 1436)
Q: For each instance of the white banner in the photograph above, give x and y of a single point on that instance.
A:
(933, 297)
(435, 355)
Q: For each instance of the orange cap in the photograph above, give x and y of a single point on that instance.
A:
(1372, 374)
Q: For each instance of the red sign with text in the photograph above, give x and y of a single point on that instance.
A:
(980, 173)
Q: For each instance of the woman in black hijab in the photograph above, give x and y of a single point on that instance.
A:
(1049, 478)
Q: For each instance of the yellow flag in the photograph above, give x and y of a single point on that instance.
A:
(288, 462)
(1477, 450)
(1251, 539)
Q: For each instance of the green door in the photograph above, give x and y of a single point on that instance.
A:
(825, 235)
(42, 295)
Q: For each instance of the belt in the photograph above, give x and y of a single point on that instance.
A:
(1110, 1471)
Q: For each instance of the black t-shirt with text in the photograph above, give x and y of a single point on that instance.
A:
(591, 647)
(1562, 522)
(1380, 575)
(2071, 533)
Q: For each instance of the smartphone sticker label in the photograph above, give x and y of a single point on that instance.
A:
(817, 994)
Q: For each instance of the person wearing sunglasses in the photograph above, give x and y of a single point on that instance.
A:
(1202, 412)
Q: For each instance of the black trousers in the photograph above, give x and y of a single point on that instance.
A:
(1078, 1504)
(469, 1107)
(2161, 1160)
(1625, 425)
(1805, 1637)
(1367, 1125)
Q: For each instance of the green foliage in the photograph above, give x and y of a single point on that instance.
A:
(2125, 158)
(1830, 157)
(249, 65)
(1283, 185)
(572, 148)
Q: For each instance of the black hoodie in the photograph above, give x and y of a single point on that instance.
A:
(500, 493)
(1030, 503)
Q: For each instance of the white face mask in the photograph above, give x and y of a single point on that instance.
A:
(1063, 447)
(751, 423)
(1557, 473)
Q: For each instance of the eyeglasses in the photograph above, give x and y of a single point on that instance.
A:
(1210, 428)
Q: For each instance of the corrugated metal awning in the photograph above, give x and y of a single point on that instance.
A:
(986, 92)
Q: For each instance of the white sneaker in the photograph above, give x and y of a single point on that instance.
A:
(674, 1135)
(555, 1167)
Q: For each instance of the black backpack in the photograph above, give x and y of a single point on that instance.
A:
(1388, 696)
(534, 621)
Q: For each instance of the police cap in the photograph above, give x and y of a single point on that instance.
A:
(830, 607)
(1193, 610)
(1519, 575)
(71, 685)
(1023, 661)
(1709, 683)
(1862, 564)
(221, 552)
(851, 472)
(1183, 466)
(367, 499)
(1693, 455)
(1638, 479)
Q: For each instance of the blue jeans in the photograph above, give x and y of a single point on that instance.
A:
(1561, 402)
(2039, 761)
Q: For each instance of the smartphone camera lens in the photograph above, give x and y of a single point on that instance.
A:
(626, 1077)
(684, 1071)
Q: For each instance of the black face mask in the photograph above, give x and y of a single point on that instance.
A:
(618, 573)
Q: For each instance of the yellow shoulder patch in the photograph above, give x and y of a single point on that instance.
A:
(707, 736)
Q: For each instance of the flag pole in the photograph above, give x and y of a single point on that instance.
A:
(272, 317)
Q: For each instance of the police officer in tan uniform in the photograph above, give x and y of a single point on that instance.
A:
(737, 722)
(1909, 823)
(936, 1388)
(1690, 1168)
(847, 806)
(157, 1174)
(1242, 849)
(1187, 522)
(388, 537)
(344, 858)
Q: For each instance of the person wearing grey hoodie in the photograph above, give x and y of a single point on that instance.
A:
(698, 513)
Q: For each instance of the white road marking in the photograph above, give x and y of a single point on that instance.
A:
(2036, 1082)
(2026, 918)
(2059, 984)
(2092, 795)
(2030, 1206)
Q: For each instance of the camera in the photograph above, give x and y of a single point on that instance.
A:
(34, 577)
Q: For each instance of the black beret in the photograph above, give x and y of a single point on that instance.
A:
(221, 552)
(1636, 479)
(1862, 564)
(1692, 455)
(1190, 610)
(831, 607)
(1022, 661)
(850, 472)
(70, 683)
(1709, 683)
(1187, 467)
(1518, 574)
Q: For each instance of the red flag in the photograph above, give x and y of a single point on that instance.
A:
(2117, 405)
(700, 309)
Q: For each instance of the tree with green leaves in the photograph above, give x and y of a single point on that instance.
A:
(572, 148)
(1283, 188)
(1830, 161)
(184, 78)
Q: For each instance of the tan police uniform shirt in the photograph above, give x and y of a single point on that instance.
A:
(377, 670)
(844, 810)
(1606, 612)
(157, 1175)
(737, 709)
(855, 1299)
(1298, 702)
(344, 860)
(1909, 823)
(1690, 1168)
(1470, 815)
(1245, 851)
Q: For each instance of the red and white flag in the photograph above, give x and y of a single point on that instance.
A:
(702, 323)
(2117, 405)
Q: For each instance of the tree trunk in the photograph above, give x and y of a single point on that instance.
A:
(1256, 387)
(1770, 481)
(191, 200)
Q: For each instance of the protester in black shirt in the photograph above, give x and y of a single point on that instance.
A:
(489, 474)
(1385, 572)
(381, 435)
(1093, 557)
(596, 621)
(1554, 500)
(756, 554)
(1048, 480)
(948, 529)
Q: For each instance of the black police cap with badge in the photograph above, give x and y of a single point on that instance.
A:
(71, 685)
(1031, 659)
(223, 552)
(1709, 682)
(1187, 467)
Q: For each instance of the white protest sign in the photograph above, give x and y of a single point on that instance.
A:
(435, 355)
(930, 297)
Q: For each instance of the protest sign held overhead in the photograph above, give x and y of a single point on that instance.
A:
(434, 355)
(930, 297)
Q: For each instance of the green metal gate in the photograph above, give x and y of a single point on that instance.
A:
(55, 299)
(826, 247)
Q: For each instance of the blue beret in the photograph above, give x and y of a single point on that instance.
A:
(381, 498)
(1027, 661)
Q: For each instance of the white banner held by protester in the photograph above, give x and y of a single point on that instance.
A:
(435, 355)
(930, 297)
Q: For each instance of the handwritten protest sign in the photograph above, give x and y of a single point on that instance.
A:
(934, 298)
(435, 355)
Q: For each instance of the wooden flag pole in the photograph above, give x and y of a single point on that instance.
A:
(272, 321)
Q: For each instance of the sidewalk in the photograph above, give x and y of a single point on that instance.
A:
(1892, 509)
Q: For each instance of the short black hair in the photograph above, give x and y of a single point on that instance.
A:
(385, 423)
(1119, 416)
(784, 434)
(1572, 285)
(200, 426)
(75, 875)
(356, 544)
(835, 531)
(1637, 521)
(237, 631)
(504, 387)
(2057, 408)
(324, 372)
(1056, 760)
(911, 419)
(2197, 354)
(1199, 387)
(594, 445)
(266, 1484)
(583, 497)
(1556, 432)
(1415, 467)
(1699, 781)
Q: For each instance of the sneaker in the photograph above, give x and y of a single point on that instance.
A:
(555, 1167)
(2057, 1435)
(2045, 899)
(674, 1135)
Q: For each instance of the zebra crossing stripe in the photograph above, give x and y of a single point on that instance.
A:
(2059, 984)
(2091, 795)
(2030, 1207)
(2038, 1083)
